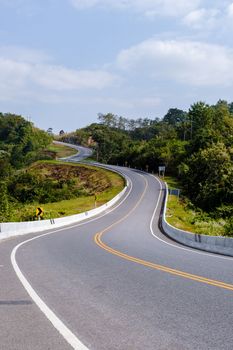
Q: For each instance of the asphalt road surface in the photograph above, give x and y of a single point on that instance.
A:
(83, 152)
(115, 282)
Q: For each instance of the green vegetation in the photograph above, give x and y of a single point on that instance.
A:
(172, 182)
(30, 177)
(62, 189)
(20, 143)
(182, 214)
(4, 202)
(60, 151)
(195, 146)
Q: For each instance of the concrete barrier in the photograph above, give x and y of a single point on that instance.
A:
(212, 244)
(11, 229)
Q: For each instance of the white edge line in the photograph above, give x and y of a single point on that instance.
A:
(195, 251)
(51, 316)
(56, 322)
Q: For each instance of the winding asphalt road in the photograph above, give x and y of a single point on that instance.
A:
(83, 152)
(115, 282)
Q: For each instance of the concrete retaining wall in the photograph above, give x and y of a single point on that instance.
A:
(213, 244)
(11, 229)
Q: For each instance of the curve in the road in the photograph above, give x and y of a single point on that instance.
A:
(66, 333)
(89, 264)
(83, 152)
(98, 240)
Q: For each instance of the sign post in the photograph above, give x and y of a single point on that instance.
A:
(95, 200)
(162, 169)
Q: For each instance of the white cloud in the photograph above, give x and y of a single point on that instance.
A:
(129, 102)
(230, 10)
(24, 72)
(61, 78)
(13, 77)
(147, 7)
(204, 16)
(187, 62)
(201, 18)
(23, 54)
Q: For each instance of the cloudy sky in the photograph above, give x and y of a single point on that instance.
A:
(64, 61)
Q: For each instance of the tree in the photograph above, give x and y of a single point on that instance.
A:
(209, 180)
(175, 116)
(50, 131)
(109, 119)
(4, 203)
(20, 140)
(5, 167)
(122, 123)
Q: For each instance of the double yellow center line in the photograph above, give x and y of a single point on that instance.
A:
(101, 244)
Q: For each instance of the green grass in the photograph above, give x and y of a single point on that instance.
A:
(78, 205)
(72, 206)
(172, 182)
(183, 216)
(61, 151)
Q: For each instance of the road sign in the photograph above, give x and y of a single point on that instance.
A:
(174, 191)
(162, 170)
(39, 211)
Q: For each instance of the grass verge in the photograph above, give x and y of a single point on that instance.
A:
(98, 186)
(182, 214)
(61, 151)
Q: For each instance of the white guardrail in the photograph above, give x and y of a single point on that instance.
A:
(10, 229)
(213, 244)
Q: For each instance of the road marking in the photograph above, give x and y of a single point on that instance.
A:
(186, 275)
(51, 316)
(130, 212)
(194, 251)
(101, 244)
(56, 322)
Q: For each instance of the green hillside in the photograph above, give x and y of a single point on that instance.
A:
(195, 146)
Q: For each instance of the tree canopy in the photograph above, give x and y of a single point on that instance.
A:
(20, 142)
(196, 146)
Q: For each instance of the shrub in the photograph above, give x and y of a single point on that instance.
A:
(229, 228)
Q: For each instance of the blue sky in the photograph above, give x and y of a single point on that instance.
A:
(62, 62)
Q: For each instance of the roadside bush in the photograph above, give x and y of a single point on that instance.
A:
(4, 202)
(229, 228)
(23, 187)
(26, 187)
(225, 211)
